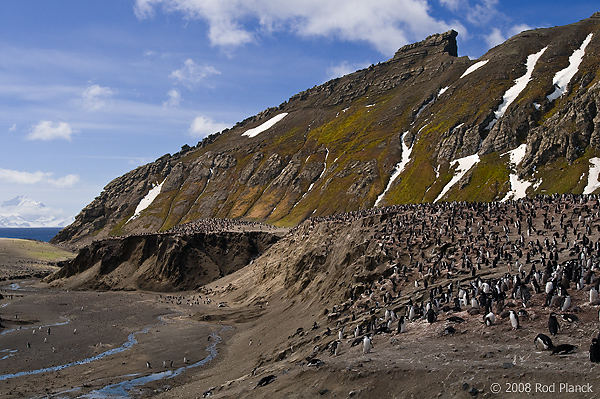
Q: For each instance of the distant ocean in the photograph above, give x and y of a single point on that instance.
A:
(31, 233)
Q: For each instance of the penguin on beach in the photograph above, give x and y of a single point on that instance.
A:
(514, 320)
(489, 319)
(563, 349)
(553, 325)
(543, 341)
(431, 316)
(367, 344)
(401, 325)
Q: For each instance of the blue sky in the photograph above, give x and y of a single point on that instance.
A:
(92, 89)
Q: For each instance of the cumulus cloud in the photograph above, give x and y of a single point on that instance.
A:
(496, 36)
(48, 130)
(18, 177)
(385, 24)
(191, 73)
(95, 96)
(344, 68)
(174, 98)
(203, 126)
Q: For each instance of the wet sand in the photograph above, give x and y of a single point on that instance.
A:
(104, 338)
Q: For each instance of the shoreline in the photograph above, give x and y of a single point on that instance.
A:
(100, 344)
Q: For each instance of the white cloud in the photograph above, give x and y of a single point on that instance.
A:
(495, 38)
(452, 5)
(343, 69)
(191, 73)
(47, 130)
(203, 126)
(18, 177)
(515, 30)
(95, 96)
(13, 128)
(174, 98)
(385, 24)
(480, 12)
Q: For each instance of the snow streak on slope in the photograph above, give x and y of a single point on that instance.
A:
(322, 172)
(520, 84)
(406, 150)
(265, 126)
(593, 176)
(464, 165)
(147, 200)
(518, 187)
(562, 78)
(473, 68)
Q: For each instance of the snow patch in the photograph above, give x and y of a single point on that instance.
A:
(443, 90)
(463, 165)
(400, 166)
(520, 84)
(473, 68)
(593, 176)
(517, 155)
(563, 77)
(518, 187)
(147, 200)
(265, 126)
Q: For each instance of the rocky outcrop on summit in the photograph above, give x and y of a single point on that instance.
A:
(474, 130)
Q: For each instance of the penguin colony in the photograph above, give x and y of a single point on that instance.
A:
(494, 261)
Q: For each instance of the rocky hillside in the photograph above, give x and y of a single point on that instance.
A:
(424, 126)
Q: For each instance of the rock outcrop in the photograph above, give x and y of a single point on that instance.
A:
(162, 262)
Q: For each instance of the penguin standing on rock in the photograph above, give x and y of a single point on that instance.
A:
(431, 316)
(367, 344)
(514, 320)
(401, 325)
(489, 319)
(553, 325)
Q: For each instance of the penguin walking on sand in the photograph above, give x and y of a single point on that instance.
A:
(553, 325)
(367, 344)
(543, 341)
(595, 351)
(514, 320)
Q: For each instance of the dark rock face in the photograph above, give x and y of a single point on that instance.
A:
(338, 145)
(164, 262)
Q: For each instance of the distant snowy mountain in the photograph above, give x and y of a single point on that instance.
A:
(22, 211)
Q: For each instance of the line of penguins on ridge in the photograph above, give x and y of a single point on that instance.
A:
(549, 233)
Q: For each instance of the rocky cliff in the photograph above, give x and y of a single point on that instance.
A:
(162, 262)
(424, 126)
